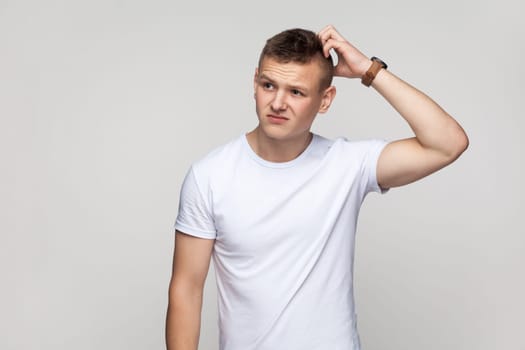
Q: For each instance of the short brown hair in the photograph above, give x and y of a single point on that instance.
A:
(301, 46)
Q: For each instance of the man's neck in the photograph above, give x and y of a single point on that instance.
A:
(277, 150)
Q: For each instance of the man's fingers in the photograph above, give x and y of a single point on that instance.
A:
(337, 45)
(329, 32)
(350, 61)
(327, 45)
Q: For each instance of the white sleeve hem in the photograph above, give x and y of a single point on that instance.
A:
(376, 155)
(195, 232)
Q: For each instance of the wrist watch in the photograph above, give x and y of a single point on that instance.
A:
(369, 76)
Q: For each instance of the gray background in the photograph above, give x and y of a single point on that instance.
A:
(105, 104)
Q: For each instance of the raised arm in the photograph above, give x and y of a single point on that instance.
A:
(191, 262)
(439, 139)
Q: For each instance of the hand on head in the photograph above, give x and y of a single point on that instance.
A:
(352, 63)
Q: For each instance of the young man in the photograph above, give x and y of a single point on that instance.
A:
(277, 207)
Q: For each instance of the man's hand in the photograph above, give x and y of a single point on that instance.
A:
(352, 63)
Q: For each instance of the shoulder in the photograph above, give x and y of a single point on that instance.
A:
(219, 155)
(218, 162)
(358, 147)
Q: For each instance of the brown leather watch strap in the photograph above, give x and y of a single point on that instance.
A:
(371, 73)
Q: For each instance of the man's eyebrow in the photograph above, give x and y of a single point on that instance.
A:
(263, 76)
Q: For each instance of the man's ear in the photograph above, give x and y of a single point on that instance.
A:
(328, 97)
(255, 80)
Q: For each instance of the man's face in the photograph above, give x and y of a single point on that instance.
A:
(288, 97)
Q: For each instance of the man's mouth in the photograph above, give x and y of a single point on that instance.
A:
(276, 118)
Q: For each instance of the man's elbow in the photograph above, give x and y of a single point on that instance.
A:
(464, 142)
(185, 291)
(459, 143)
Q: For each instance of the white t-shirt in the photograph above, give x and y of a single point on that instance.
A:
(284, 240)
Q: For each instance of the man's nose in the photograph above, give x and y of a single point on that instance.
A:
(279, 103)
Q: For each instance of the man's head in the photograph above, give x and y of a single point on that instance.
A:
(292, 84)
(299, 46)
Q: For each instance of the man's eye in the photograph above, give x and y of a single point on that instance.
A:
(297, 92)
(267, 85)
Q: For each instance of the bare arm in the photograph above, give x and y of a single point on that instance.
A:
(438, 140)
(191, 262)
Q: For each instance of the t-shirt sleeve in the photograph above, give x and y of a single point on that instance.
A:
(370, 166)
(195, 216)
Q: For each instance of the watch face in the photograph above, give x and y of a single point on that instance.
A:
(378, 60)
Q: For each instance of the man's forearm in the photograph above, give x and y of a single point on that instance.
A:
(433, 127)
(183, 320)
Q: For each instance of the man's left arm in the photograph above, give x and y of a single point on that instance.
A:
(439, 139)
